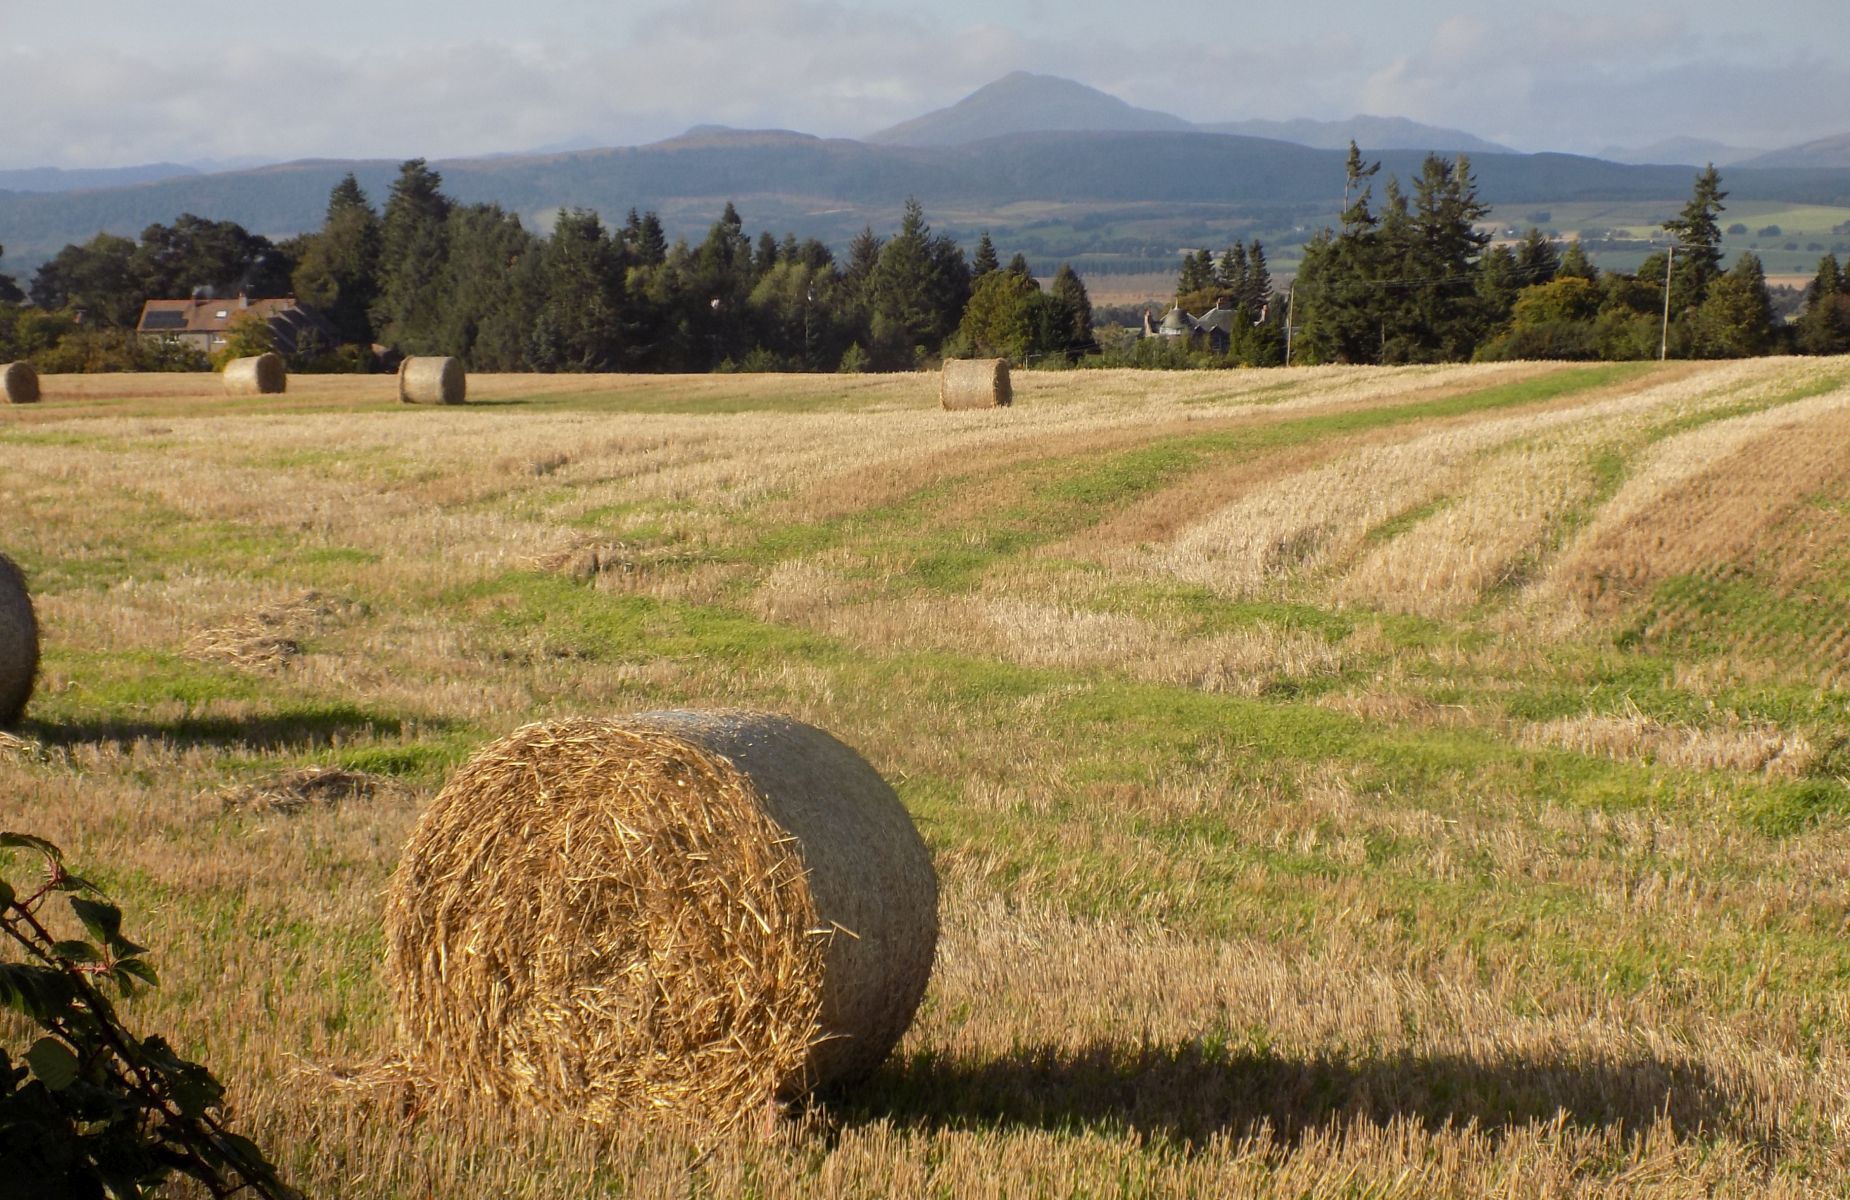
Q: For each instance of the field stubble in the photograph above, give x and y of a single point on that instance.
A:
(1345, 782)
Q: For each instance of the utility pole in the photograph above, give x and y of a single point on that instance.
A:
(1291, 303)
(1663, 345)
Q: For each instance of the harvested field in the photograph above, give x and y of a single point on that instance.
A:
(1415, 782)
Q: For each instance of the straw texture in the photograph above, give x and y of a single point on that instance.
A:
(19, 643)
(975, 383)
(19, 383)
(678, 912)
(258, 375)
(432, 381)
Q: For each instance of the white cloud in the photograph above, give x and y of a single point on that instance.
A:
(1577, 75)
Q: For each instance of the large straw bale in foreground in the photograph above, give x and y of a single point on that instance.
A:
(679, 912)
(975, 383)
(19, 643)
(258, 375)
(19, 383)
(432, 381)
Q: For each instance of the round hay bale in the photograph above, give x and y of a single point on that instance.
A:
(258, 375)
(432, 381)
(975, 383)
(19, 383)
(19, 643)
(679, 912)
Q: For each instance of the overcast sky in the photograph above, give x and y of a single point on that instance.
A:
(118, 82)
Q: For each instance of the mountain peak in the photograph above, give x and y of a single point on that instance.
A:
(1023, 102)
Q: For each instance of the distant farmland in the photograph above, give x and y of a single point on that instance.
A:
(1343, 781)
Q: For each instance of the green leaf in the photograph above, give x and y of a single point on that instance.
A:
(53, 1062)
(39, 993)
(77, 951)
(104, 921)
(25, 841)
(140, 969)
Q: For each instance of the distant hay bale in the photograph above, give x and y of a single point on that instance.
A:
(432, 381)
(19, 383)
(258, 375)
(683, 913)
(975, 383)
(19, 643)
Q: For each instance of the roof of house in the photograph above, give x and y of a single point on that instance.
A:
(1216, 319)
(206, 316)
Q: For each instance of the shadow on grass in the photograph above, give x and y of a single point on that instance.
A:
(1189, 1092)
(316, 725)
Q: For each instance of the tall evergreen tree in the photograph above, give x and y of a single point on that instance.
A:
(413, 247)
(579, 326)
(917, 291)
(985, 260)
(1576, 265)
(1340, 278)
(1735, 319)
(338, 274)
(1824, 326)
(1698, 235)
(863, 257)
(1230, 274)
(764, 256)
(1257, 293)
(1197, 274)
(1443, 263)
(490, 288)
(651, 241)
(1536, 259)
(1070, 290)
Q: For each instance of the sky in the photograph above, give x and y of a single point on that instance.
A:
(93, 83)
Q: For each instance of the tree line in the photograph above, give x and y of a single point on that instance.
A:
(1416, 280)
(427, 275)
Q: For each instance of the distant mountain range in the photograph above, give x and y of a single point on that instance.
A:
(1137, 189)
(1021, 102)
(57, 179)
(1690, 151)
(1825, 152)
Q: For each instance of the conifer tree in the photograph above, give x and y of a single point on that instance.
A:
(1536, 259)
(338, 273)
(1824, 325)
(985, 260)
(413, 246)
(1575, 263)
(1698, 235)
(1070, 290)
(1257, 293)
(1230, 274)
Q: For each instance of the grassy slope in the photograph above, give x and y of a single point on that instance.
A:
(1251, 887)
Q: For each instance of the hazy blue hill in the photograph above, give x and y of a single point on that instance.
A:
(1023, 103)
(1692, 151)
(829, 187)
(1831, 151)
(1370, 133)
(57, 179)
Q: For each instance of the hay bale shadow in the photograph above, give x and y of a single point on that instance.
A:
(1186, 1093)
(303, 727)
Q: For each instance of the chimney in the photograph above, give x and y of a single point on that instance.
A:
(244, 298)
